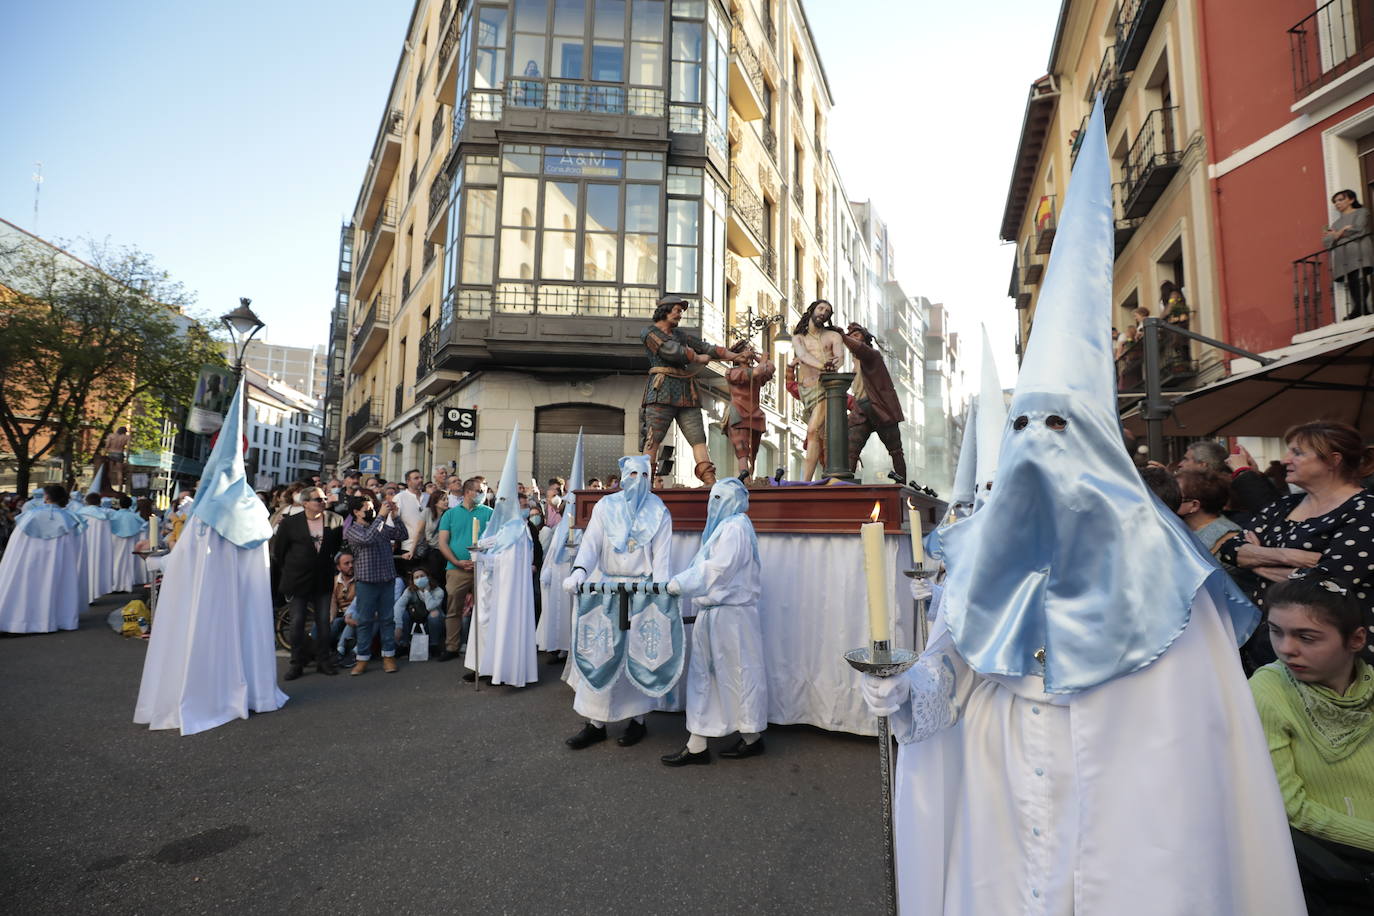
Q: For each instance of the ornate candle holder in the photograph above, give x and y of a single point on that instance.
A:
(920, 606)
(880, 659)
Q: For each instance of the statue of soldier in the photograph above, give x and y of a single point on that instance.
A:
(671, 393)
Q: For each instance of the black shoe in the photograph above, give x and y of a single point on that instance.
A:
(741, 750)
(326, 667)
(590, 734)
(447, 656)
(293, 672)
(470, 676)
(684, 757)
(633, 733)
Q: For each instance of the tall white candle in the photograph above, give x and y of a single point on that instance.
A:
(152, 532)
(475, 528)
(918, 551)
(875, 575)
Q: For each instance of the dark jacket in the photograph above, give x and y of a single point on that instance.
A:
(878, 387)
(296, 564)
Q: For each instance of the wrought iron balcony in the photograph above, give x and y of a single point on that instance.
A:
(798, 193)
(1111, 83)
(439, 190)
(1076, 143)
(424, 356)
(746, 77)
(429, 252)
(1150, 165)
(369, 336)
(1123, 228)
(436, 126)
(1318, 299)
(447, 81)
(746, 232)
(381, 238)
(584, 98)
(1329, 43)
(1133, 27)
(1046, 224)
(400, 400)
(414, 178)
(386, 156)
(364, 424)
(405, 285)
(770, 138)
(768, 261)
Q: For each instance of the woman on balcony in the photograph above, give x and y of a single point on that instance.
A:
(1352, 252)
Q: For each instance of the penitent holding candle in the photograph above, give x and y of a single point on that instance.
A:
(875, 575)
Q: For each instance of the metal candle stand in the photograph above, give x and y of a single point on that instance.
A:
(881, 660)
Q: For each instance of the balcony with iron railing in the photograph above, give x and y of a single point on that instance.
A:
(439, 192)
(364, 424)
(798, 296)
(1177, 368)
(386, 156)
(745, 232)
(405, 286)
(1151, 163)
(768, 262)
(1133, 27)
(430, 250)
(381, 239)
(1329, 43)
(1322, 294)
(537, 325)
(1110, 83)
(447, 86)
(582, 98)
(1123, 228)
(746, 77)
(1046, 224)
(798, 192)
(1015, 291)
(371, 333)
(400, 400)
(770, 138)
(414, 178)
(1076, 142)
(436, 126)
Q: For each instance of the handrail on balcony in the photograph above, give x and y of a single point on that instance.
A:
(429, 346)
(1330, 42)
(438, 195)
(449, 42)
(368, 416)
(798, 193)
(386, 219)
(745, 202)
(436, 126)
(588, 98)
(769, 262)
(1314, 287)
(379, 312)
(749, 61)
(1152, 159)
(770, 137)
(1133, 27)
(1046, 224)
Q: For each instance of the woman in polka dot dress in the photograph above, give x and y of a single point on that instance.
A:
(1327, 531)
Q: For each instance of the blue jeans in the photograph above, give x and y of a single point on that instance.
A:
(373, 612)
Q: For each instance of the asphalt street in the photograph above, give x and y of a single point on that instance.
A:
(405, 793)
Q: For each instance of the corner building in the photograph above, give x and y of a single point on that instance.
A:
(543, 172)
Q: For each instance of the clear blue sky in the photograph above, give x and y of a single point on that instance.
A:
(229, 140)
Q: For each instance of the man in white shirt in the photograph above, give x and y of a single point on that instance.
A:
(408, 506)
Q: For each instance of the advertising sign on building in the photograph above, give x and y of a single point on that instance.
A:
(460, 423)
(214, 391)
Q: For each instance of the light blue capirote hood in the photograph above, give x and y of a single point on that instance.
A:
(1072, 553)
(224, 499)
(126, 523)
(46, 521)
(632, 514)
(507, 527)
(559, 544)
(729, 498)
(992, 422)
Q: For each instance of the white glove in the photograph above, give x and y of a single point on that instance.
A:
(885, 695)
(571, 583)
(921, 589)
(674, 588)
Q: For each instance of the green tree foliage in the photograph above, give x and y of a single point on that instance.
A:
(88, 346)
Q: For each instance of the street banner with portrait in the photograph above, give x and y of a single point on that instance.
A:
(214, 391)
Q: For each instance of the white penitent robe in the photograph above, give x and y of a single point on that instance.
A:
(100, 558)
(127, 570)
(42, 583)
(211, 657)
(603, 564)
(504, 643)
(1150, 795)
(727, 682)
(554, 633)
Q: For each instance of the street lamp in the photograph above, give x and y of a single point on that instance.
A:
(243, 326)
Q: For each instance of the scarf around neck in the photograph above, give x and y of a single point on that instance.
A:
(1337, 724)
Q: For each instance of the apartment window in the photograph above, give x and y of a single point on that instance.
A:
(699, 77)
(490, 70)
(276, 439)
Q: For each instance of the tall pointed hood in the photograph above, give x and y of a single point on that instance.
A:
(224, 498)
(965, 472)
(1072, 560)
(98, 481)
(560, 533)
(506, 526)
(992, 422)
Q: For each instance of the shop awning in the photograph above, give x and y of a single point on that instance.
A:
(1331, 379)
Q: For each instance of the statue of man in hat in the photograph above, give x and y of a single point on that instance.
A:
(671, 393)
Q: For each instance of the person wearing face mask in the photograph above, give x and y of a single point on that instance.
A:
(372, 535)
(727, 683)
(422, 602)
(628, 539)
(303, 551)
(533, 515)
(1103, 746)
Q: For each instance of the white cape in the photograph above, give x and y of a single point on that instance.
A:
(504, 643)
(554, 632)
(42, 583)
(100, 558)
(211, 657)
(1160, 799)
(127, 569)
